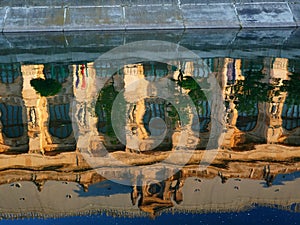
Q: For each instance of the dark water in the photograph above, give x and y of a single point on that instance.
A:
(172, 130)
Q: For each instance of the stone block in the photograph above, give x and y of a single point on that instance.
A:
(265, 15)
(201, 2)
(113, 2)
(257, 1)
(147, 2)
(296, 12)
(94, 18)
(210, 16)
(153, 17)
(2, 16)
(96, 3)
(18, 3)
(61, 3)
(34, 19)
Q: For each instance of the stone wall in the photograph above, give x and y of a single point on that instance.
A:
(66, 15)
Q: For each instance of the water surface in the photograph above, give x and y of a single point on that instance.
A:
(208, 139)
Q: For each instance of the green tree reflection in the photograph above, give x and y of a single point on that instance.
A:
(104, 107)
(251, 90)
(46, 87)
(291, 86)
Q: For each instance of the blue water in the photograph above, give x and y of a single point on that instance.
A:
(258, 215)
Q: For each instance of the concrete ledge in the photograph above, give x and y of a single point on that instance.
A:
(94, 18)
(210, 16)
(66, 15)
(2, 17)
(53, 3)
(33, 19)
(295, 8)
(153, 17)
(265, 15)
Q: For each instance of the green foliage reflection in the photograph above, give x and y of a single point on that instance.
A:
(291, 86)
(46, 87)
(251, 90)
(104, 107)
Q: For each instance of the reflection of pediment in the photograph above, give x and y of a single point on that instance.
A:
(155, 206)
(157, 196)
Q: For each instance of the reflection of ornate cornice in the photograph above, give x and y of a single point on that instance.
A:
(250, 194)
(72, 165)
(155, 206)
(261, 166)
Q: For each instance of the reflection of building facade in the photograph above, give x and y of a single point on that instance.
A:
(265, 122)
(13, 113)
(147, 126)
(273, 122)
(185, 192)
(32, 124)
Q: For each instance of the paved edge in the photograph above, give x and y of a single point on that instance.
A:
(174, 15)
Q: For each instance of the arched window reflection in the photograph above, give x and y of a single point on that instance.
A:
(206, 70)
(58, 72)
(154, 110)
(60, 124)
(103, 109)
(290, 116)
(11, 119)
(153, 70)
(9, 72)
(102, 119)
(231, 72)
(254, 65)
(156, 189)
(204, 113)
(247, 120)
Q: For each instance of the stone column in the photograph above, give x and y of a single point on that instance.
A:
(279, 71)
(36, 108)
(134, 90)
(86, 90)
(218, 91)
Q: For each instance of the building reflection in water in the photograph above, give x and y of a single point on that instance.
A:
(257, 161)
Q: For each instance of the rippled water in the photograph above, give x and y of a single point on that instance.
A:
(148, 130)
